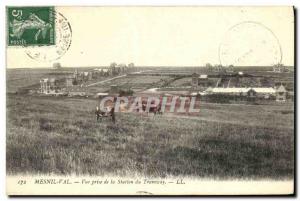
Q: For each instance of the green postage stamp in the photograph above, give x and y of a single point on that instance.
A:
(30, 26)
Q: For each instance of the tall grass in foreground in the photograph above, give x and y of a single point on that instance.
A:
(61, 136)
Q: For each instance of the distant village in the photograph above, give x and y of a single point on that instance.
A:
(219, 83)
(75, 84)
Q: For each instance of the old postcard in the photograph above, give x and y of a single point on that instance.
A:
(150, 100)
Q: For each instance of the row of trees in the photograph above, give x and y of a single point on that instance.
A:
(117, 69)
(219, 68)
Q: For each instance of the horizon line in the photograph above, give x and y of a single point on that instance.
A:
(140, 66)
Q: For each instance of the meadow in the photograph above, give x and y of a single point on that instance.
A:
(50, 135)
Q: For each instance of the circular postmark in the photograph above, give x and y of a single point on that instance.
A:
(250, 44)
(62, 38)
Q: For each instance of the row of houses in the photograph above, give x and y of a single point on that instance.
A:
(279, 68)
(78, 78)
(204, 81)
(113, 70)
(219, 68)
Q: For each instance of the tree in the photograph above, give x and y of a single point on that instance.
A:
(56, 65)
(230, 68)
(278, 67)
(131, 65)
(122, 67)
(113, 64)
(113, 68)
(209, 67)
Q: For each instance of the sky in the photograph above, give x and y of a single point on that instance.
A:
(170, 36)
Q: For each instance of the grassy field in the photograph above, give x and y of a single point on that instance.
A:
(48, 135)
(139, 81)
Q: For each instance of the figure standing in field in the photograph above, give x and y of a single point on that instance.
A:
(98, 113)
(112, 113)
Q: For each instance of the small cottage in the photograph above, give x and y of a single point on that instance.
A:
(281, 93)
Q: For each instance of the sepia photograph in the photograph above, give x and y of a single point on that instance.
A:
(149, 100)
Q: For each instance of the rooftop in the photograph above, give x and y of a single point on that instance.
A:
(203, 76)
(269, 90)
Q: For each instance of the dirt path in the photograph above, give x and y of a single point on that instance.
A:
(117, 77)
(103, 81)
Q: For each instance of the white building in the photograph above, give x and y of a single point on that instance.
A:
(265, 92)
(48, 85)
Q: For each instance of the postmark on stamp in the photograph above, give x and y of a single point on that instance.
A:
(250, 42)
(63, 40)
(44, 34)
(30, 26)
